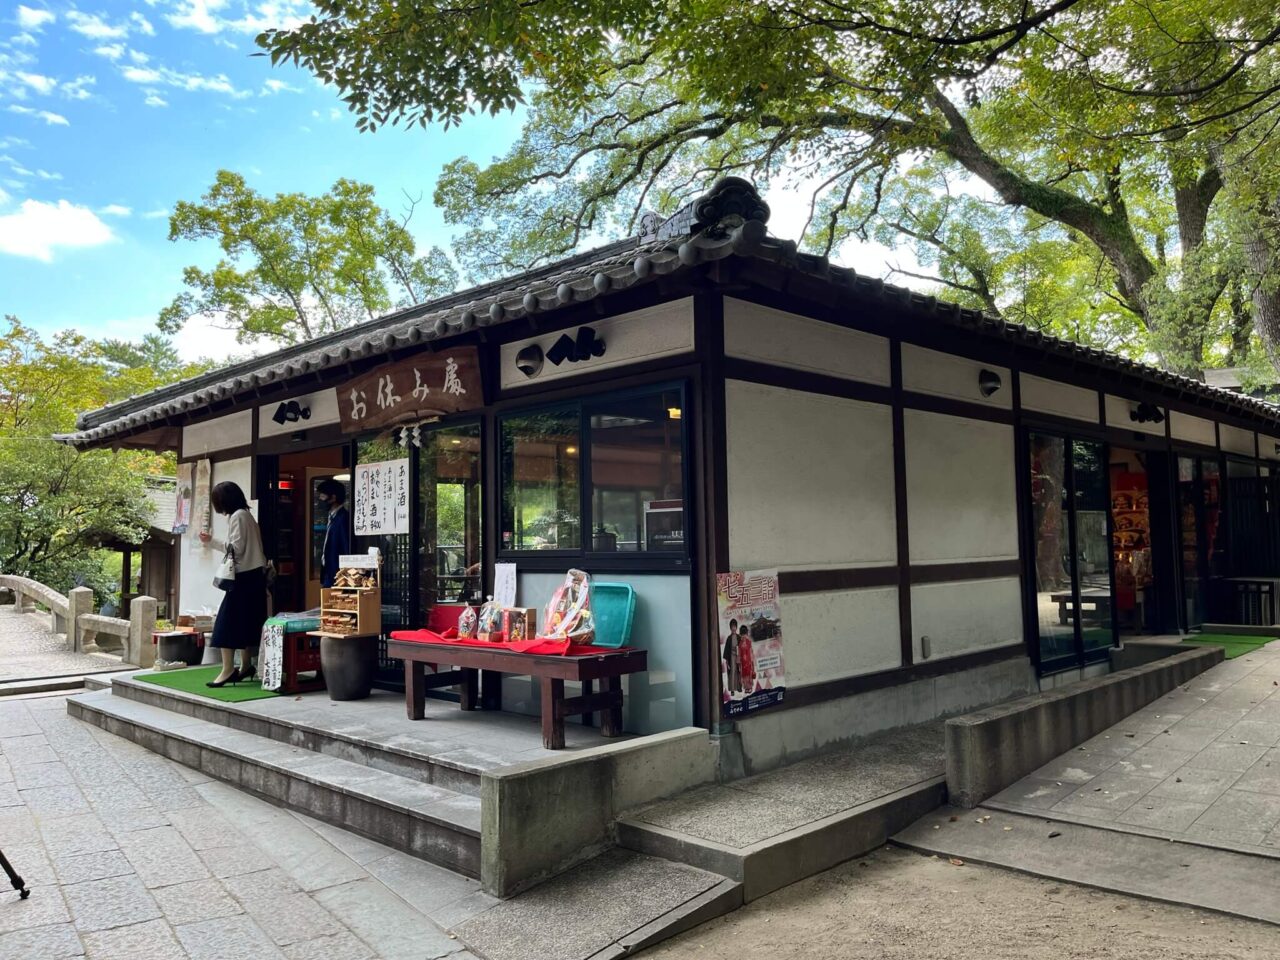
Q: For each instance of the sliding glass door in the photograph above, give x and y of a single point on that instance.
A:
(1070, 523)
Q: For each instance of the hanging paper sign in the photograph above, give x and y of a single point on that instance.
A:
(185, 495)
(381, 498)
(427, 385)
(202, 508)
(750, 641)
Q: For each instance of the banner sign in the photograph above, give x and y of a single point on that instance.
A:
(380, 492)
(750, 642)
(185, 494)
(202, 506)
(427, 385)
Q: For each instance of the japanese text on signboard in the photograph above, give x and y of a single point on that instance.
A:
(381, 498)
(422, 386)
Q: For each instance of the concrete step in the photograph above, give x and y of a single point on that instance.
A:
(37, 685)
(773, 862)
(1240, 630)
(612, 906)
(1224, 881)
(425, 820)
(406, 757)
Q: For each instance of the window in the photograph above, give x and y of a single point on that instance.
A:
(637, 486)
(449, 545)
(541, 490)
(603, 476)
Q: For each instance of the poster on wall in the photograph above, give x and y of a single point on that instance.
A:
(183, 498)
(202, 507)
(750, 641)
(380, 494)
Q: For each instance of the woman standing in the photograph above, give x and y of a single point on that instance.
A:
(244, 609)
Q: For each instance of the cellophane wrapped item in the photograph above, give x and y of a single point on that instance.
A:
(489, 624)
(568, 614)
(467, 623)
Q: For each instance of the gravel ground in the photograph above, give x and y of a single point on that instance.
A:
(899, 904)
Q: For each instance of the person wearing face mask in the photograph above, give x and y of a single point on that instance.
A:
(337, 535)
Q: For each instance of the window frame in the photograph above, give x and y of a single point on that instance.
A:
(586, 406)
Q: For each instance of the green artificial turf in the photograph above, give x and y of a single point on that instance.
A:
(193, 679)
(1233, 644)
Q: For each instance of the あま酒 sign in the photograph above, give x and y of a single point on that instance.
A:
(427, 385)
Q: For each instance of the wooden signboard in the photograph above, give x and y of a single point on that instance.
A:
(428, 385)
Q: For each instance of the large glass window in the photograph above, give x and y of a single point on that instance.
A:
(603, 476)
(449, 545)
(541, 489)
(637, 486)
(1055, 602)
(1093, 548)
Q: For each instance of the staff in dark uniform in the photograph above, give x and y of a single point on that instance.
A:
(337, 536)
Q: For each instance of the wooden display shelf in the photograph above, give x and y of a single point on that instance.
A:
(367, 613)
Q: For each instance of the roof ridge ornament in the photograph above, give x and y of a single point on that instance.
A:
(733, 198)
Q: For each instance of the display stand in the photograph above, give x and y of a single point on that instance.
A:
(350, 624)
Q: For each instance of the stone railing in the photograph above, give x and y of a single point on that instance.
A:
(132, 636)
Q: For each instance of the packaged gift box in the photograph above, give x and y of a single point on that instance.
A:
(519, 623)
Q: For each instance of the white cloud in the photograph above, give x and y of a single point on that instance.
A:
(46, 175)
(137, 56)
(24, 40)
(115, 210)
(93, 26)
(163, 76)
(33, 19)
(277, 86)
(197, 15)
(155, 214)
(78, 89)
(37, 82)
(112, 51)
(52, 119)
(4, 198)
(142, 24)
(15, 167)
(155, 100)
(8, 143)
(38, 229)
(204, 16)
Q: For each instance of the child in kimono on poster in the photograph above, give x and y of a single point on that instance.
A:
(750, 641)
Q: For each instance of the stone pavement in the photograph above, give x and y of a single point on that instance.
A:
(1200, 765)
(130, 855)
(29, 650)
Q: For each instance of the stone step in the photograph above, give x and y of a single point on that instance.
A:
(406, 757)
(1225, 881)
(769, 864)
(425, 820)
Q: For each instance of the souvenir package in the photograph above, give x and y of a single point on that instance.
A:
(568, 615)
(519, 623)
(489, 624)
(467, 623)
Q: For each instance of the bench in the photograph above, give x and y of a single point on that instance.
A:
(551, 672)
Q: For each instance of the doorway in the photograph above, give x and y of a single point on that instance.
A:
(294, 526)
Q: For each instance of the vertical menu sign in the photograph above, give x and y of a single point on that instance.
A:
(381, 498)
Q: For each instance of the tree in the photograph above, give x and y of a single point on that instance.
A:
(294, 266)
(1139, 132)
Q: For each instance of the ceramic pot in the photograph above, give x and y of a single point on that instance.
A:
(349, 664)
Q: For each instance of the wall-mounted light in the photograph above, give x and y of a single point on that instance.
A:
(1146, 413)
(988, 382)
(298, 437)
(291, 412)
(674, 413)
(342, 477)
(571, 450)
(529, 360)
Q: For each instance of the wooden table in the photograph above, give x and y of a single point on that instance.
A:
(1100, 600)
(551, 672)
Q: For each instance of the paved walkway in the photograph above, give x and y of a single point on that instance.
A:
(1199, 765)
(130, 855)
(30, 650)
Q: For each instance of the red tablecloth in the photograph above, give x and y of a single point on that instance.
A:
(538, 645)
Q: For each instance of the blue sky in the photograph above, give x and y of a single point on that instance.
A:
(109, 114)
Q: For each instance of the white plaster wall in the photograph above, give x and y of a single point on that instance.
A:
(1118, 410)
(1268, 447)
(199, 560)
(324, 411)
(961, 497)
(233, 430)
(944, 375)
(755, 332)
(661, 331)
(1058, 399)
(810, 480)
(840, 634)
(965, 616)
(1183, 426)
(1235, 440)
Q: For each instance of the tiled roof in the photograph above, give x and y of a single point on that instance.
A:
(729, 221)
